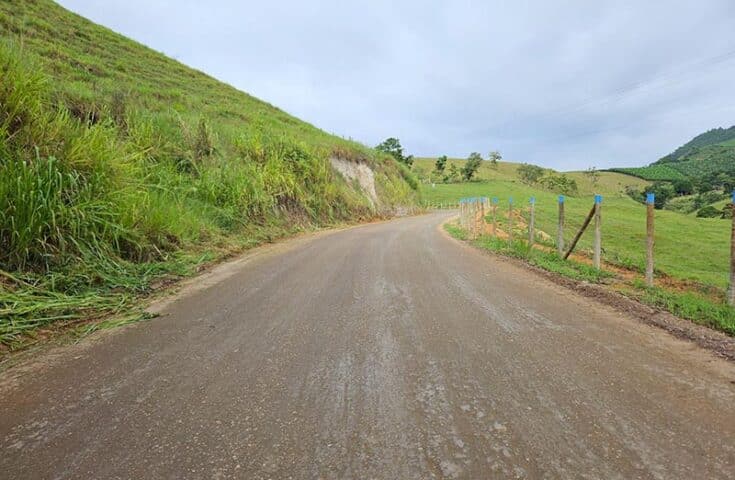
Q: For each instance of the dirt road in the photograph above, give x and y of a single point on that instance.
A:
(387, 351)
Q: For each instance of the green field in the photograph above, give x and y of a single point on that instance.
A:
(687, 248)
(121, 168)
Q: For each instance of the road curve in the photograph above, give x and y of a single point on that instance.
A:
(387, 351)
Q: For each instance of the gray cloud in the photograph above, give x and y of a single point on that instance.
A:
(566, 84)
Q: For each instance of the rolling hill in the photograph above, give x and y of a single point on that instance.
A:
(709, 153)
(120, 166)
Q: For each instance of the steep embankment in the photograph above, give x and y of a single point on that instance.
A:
(120, 167)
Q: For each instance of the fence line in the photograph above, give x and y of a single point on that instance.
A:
(473, 212)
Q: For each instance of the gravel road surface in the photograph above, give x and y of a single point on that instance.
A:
(386, 351)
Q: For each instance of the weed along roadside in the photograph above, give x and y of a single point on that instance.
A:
(647, 285)
(114, 184)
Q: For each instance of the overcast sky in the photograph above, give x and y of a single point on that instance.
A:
(565, 84)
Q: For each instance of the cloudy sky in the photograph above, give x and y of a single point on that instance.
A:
(565, 84)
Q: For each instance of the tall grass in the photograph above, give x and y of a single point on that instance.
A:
(99, 196)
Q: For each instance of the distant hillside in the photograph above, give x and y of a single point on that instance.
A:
(706, 155)
(711, 137)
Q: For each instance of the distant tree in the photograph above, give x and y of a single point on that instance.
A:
(453, 174)
(593, 174)
(683, 186)
(440, 165)
(530, 174)
(392, 146)
(703, 185)
(494, 158)
(560, 184)
(471, 166)
(663, 191)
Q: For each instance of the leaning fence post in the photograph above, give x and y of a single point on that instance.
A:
(731, 293)
(650, 202)
(560, 228)
(510, 221)
(495, 217)
(531, 223)
(598, 231)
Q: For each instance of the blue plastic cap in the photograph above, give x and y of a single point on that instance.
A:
(495, 199)
(598, 198)
(561, 198)
(510, 200)
(650, 198)
(533, 200)
(733, 196)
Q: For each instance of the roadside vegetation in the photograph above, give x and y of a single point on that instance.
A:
(694, 250)
(692, 254)
(122, 170)
(698, 306)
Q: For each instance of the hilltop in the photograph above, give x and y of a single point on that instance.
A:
(709, 154)
(121, 168)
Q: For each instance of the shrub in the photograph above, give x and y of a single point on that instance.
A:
(530, 174)
(709, 212)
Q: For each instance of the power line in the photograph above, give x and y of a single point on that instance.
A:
(672, 75)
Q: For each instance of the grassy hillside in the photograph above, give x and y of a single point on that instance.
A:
(687, 247)
(716, 136)
(608, 182)
(710, 153)
(120, 168)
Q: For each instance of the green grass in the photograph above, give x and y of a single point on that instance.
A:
(687, 248)
(692, 306)
(546, 260)
(120, 166)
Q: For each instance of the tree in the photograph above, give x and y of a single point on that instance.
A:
(560, 184)
(494, 157)
(471, 166)
(593, 175)
(392, 146)
(453, 174)
(683, 186)
(530, 174)
(663, 191)
(440, 165)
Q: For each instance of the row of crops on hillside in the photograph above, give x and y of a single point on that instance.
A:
(652, 172)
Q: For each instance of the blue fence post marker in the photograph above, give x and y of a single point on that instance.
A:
(598, 199)
(651, 198)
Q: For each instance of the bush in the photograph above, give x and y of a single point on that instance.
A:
(530, 174)
(560, 184)
(709, 212)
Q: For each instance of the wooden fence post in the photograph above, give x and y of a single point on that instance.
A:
(650, 202)
(531, 223)
(598, 231)
(731, 293)
(510, 221)
(495, 217)
(481, 217)
(560, 228)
